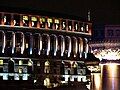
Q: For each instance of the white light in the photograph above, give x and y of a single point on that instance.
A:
(109, 54)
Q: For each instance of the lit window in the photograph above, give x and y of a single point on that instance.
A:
(42, 20)
(20, 62)
(47, 63)
(34, 21)
(82, 29)
(7, 19)
(63, 25)
(26, 45)
(38, 63)
(33, 18)
(25, 21)
(25, 17)
(1, 62)
(47, 67)
(47, 82)
(4, 19)
(30, 63)
(49, 20)
(57, 21)
(20, 70)
(87, 28)
(50, 23)
(76, 26)
(70, 25)
(16, 21)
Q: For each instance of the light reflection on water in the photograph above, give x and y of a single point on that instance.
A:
(109, 79)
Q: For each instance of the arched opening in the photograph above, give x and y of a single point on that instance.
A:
(75, 66)
(67, 46)
(37, 44)
(28, 44)
(30, 66)
(61, 45)
(47, 82)
(45, 44)
(47, 67)
(10, 42)
(85, 47)
(18, 42)
(11, 66)
(2, 41)
(62, 69)
(80, 46)
(53, 44)
(74, 46)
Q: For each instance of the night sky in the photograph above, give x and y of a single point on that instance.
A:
(102, 11)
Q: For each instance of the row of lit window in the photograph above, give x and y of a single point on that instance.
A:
(30, 63)
(43, 22)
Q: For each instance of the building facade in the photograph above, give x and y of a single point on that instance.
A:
(46, 50)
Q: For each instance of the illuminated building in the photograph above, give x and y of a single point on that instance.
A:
(44, 49)
(106, 43)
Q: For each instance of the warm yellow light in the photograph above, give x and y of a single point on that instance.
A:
(109, 54)
(30, 63)
(20, 62)
(47, 63)
(20, 70)
(34, 19)
(97, 81)
(49, 20)
(42, 19)
(25, 17)
(47, 82)
(1, 62)
(57, 21)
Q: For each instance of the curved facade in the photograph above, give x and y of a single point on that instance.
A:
(49, 47)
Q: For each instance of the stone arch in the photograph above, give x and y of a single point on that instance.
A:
(61, 44)
(11, 66)
(47, 67)
(68, 45)
(19, 42)
(80, 46)
(2, 41)
(37, 43)
(74, 46)
(46, 43)
(85, 47)
(9, 42)
(28, 43)
(53, 44)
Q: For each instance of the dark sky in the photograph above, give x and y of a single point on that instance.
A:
(102, 11)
